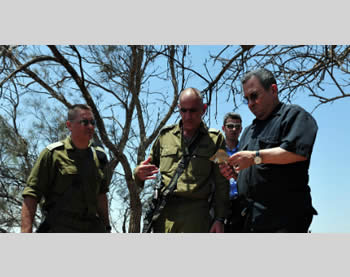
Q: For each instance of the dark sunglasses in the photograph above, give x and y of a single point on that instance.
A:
(233, 125)
(192, 110)
(86, 122)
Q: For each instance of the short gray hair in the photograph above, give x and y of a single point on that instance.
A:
(265, 77)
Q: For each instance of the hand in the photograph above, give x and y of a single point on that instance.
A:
(227, 171)
(241, 160)
(146, 171)
(217, 227)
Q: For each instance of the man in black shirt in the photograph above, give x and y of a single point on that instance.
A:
(273, 160)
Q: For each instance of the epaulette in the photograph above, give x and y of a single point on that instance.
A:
(167, 128)
(101, 155)
(54, 145)
(215, 131)
(99, 148)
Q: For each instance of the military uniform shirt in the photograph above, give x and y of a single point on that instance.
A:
(69, 171)
(282, 188)
(194, 183)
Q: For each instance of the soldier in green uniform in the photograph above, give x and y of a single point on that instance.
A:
(69, 182)
(187, 209)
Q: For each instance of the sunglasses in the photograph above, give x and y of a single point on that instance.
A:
(86, 122)
(192, 110)
(233, 125)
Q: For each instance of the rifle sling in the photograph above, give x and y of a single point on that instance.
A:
(188, 151)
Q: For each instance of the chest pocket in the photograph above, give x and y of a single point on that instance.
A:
(200, 163)
(268, 142)
(168, 158)
(67, 176)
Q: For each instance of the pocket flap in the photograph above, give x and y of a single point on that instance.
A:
(169, 151)
(68, 170)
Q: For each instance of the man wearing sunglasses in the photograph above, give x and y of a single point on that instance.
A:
(273, 160)
(232, 127)
(187, 207)
(68, 181)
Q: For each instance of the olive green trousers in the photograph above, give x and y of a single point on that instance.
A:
(181, 215)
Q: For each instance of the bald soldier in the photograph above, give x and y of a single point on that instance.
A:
(68, 180)
(187, 208)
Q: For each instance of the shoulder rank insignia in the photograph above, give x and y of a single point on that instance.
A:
(54, 145)
(215, 131)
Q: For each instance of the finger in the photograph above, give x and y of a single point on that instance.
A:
(155, 171)
(146, 161)
(233, 158)
(149, 167)
(150, 177)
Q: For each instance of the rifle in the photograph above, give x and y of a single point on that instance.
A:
(153, 204)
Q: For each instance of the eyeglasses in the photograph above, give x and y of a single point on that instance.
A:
(252, 97)
(233, 125)
(86, 122)
(192, 110)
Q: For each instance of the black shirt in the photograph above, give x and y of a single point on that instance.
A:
(281, 188)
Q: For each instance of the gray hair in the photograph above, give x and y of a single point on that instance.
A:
(265, 77)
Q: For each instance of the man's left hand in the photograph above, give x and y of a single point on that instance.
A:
(242, 160)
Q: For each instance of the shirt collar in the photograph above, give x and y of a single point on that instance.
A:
(68, 143)
(202, 128)
(234, 149)
(275, 112)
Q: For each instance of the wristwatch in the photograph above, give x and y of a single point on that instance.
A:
(257, 158)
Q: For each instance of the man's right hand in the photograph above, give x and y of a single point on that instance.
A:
(146, 171)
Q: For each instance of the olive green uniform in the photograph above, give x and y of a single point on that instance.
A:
(187, 210)
(68, 180)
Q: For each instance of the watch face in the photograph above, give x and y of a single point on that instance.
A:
(257, 160)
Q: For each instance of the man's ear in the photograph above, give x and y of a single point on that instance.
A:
(69, 125)
(205, 106)
(274, 88)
